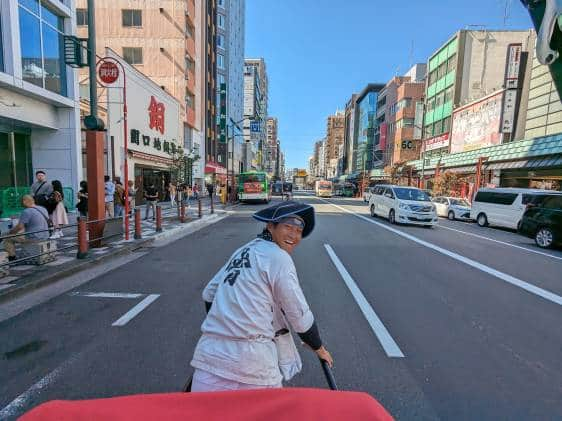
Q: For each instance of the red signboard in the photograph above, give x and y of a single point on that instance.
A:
(108, 72)
(252, 187)
(436, 142)
(156, 115)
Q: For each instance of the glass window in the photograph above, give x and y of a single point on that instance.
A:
(82, 17)
(189, 100)
(220, 19)
(220, 61)
(32, 5)
(438, 127)
(418, 195)
(220, 41)
(51, 18)
(446, 124)
(448, 94)
(220, 3)
(52, 55)
(30, 38)
(132, 55)
(131, 17)
(553, 202)
(451, 63)
(494, 197)
(439, 99)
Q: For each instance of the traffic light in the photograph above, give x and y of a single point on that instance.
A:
(547, 19)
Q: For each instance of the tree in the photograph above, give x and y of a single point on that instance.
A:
(447, 183)
(182, 166)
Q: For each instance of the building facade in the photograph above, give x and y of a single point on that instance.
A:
(271, 155)
(39, 98)
(230, 68)
(335, 127)
(470, 65)
(365, 145)
(255, 112)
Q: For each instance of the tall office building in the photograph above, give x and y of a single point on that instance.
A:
(335, 126)
(271, 149)
(255, 112)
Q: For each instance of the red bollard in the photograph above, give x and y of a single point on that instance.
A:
(158, 218)
(138, 231)
(82, 239)
(212, 205)
(182, 213)
(199, 208)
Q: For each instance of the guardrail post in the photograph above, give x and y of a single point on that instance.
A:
(158, 218)
(199, 207)
(82, 239)
(138, 230)
(182, 212)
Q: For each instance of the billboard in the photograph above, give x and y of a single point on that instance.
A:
(477, 125)
(436, 142)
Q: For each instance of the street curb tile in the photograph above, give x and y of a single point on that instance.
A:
(11, 291)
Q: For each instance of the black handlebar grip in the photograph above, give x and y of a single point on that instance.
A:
(329, 375)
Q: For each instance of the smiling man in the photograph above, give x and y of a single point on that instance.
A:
(240, 347)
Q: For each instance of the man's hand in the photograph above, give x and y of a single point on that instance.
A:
(323, 354)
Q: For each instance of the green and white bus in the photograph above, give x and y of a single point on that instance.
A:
(253, 186)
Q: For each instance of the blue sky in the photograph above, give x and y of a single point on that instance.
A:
(318, 52)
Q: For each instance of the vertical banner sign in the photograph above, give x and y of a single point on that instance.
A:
(222, 115)
(512, 77)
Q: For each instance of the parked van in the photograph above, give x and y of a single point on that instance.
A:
(403, 205)
(502, 207)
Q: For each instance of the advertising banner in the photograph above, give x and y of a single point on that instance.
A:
(477, 125)
(436, 142)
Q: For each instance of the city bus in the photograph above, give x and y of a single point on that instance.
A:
(253, 186)
(323, 188)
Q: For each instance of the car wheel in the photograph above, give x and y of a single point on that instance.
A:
(373, 214)
(482, 220)
(544, 237)
(392, 217)
(451, 215)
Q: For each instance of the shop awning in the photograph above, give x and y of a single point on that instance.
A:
(214, 168)
(149, 157)
(546, 162)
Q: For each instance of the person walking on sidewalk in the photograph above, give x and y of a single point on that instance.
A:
(132, 195)
(58, 215)
(172, 190)
(118, 198)
(196, 191)
(251, 302)
(42, 189)
(210, 189)
(82, 204)
(33, 218)
(151, 196)
(109, 196)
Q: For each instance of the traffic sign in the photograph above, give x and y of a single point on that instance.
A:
(108, 72)
(255, 126)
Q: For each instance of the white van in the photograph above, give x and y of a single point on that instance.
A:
(502, 207)
(403, 205)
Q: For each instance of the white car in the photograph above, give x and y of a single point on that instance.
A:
(403, 205)
(452, 208)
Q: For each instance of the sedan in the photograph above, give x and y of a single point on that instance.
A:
(452, 208)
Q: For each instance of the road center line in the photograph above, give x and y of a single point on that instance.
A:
(128, 316)
(547, 295)
(105, 294)
(382, 334)
(501, 242)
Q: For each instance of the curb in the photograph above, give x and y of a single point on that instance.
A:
(166, 236)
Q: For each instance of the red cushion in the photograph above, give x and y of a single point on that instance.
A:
(289, 404)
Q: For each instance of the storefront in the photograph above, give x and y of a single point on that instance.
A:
(215, 174)
(154, 133)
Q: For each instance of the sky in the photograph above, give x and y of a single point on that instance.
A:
(319, 52)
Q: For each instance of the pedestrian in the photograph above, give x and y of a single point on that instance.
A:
(82, 204)
(109, 188)
(172, 190)
(58, 215)
(42, 189)
(151, 196)
(118, 198)
(132, 192)
(196, 191)
(32, 219)
(251, 302)
(210, 190)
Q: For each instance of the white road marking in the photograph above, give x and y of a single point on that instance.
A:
(547, 295)
(382, 334)
(16, 407)
(502, 242)
(105, 294)
(128, 316)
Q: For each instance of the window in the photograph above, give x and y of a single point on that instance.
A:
(431, 104)
(41, 43)
(496, 198)
(220, 41)
(441, 70)
(189, 100)
(132, 55)
(82, 17)
(220, 20)
(220, 3)
(448, 95)
(433, 77)
(553, 202)
(220, 61)
(451, 63)
(131, 18)
(439, 99)
(428, 131)
(438, 127)
(189, 64)
(446, 124)
(404, 122)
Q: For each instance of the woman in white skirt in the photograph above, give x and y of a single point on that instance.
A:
(58, 216)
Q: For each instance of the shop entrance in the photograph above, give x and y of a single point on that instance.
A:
(145, 176)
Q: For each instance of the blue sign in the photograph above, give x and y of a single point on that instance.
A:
(255, 126)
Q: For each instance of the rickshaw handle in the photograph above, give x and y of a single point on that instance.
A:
(329, 375)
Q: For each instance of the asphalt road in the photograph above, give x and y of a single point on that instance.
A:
(454, 322)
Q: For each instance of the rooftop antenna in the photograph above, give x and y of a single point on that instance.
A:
(506, 12)
(411, 57)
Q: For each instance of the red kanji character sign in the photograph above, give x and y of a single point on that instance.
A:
(156, 115)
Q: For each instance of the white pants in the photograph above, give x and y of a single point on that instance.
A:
(203, 381)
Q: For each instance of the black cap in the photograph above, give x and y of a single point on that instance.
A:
(290, 208)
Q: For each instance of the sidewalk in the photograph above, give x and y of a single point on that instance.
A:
(24, 277)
